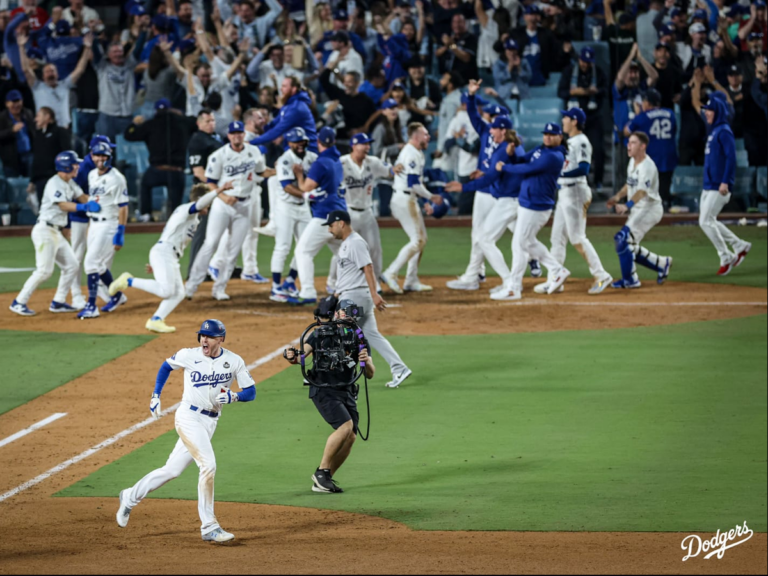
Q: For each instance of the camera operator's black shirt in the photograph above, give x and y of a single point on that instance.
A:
(337, 379)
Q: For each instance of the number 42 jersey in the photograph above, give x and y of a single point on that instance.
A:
(661, 127)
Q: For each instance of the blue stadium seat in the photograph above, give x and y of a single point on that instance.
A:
(740, 144)
(542, 92)
(17, 194)
(542, 105)
(159, 197)
(745, 181)
(131, 152)
(513, 104)
(554, 79)
(26, 217)
(536, 121)
(762, 182)
(742, 158)
(687, 182)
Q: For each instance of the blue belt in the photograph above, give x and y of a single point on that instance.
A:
(204, 412)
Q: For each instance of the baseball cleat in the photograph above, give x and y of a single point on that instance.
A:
(220, 296)
(743, 254)
(399, 379)
(289, 288)
(213, 272)
(276, 296)
(159, 326)
(123, 513)
(114, 302)
(120, 284)
(257, 278)
(296, 301)
(322, 482)
(497, 289)
(506, 294)
(460, 284)
(664, 274)
(90, 311)
(59, 307)
(725, 269)
(535, 268)
(21, 309)
(481, 278)
(218, 535)
(268, 230)
(418, 287)
(600, 285)
(543, 288)
(558, 280)
(391, 281)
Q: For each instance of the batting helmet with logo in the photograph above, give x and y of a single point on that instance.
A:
(67, 161)
(213, 328)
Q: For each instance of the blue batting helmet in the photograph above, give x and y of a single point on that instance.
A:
(101, 149)
(296, 135)
(67, 161)
(440, 210)
(212, 328)
(100, 138)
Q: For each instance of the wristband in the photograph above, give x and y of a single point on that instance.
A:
(121, 228)
(630, 204)
(81, 208)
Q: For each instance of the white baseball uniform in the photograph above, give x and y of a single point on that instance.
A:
(196, 419)
(242, 169)
(574, 198)
(110, 190)
(359, 181)
(405, 207)
(50, 246)
(78, 239)
(291, 213)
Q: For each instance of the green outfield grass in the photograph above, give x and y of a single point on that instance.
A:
(447, 253)
(29, 356)
(648, 429)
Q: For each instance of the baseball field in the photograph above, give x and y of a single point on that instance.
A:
(558, 434)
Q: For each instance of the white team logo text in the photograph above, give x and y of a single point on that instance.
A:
(718, 544)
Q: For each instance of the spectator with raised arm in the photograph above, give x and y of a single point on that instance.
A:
(669, 83)
(538, 46)
(343, 59)
(37, 16)
(458, 52)
(423, 91)
(257, 29)
(620, 36)
(757, 24)
(57, 44)
(695, 54)
(78, 14)
(693, 128)
(356, 106)
(269, 68)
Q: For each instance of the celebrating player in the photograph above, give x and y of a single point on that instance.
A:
(61, 195)
(642, 191)
(209, 371)
(106, 232)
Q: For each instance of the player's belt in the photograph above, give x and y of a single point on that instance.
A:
(358, 209)
(403, 191)
(175, 252)
(98, 219)
(52, 225)
(204, 412)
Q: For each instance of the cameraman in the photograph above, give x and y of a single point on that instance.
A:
(335, 397)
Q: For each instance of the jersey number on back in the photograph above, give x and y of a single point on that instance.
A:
(661, 129)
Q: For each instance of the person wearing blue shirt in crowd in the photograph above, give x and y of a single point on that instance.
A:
(719, 178)
(538, 45)
(660, 125)
(163, 28)
(295, 114)
(396, 55)
(58, 47)
(540, 169)
(322, 187)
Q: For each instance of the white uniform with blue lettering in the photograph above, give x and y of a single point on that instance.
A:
(196, 419)
(649, 211)
(240, 168)
(110, 190)
(359, 181)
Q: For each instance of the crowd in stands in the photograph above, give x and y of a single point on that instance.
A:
(175, 73)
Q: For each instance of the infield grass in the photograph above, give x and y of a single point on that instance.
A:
(644, 429)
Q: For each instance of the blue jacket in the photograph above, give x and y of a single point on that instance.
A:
(500, 184)
(720, 159)
(541, 169)
(396, 55)
(487, 145)
(62, 52)
(12, 48)
(295, 114)
(329, 175)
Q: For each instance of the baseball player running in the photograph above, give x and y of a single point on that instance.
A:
(719, 177)
(356, 281)
(408, 184)
(165, 255)
(61, 195)
(238, 163)
(570, 222)
(540, 169)
(209, 371)
(106, 232)
(642, 191)
(290, 211)
(322, 187)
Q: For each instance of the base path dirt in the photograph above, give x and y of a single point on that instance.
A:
(74, 535)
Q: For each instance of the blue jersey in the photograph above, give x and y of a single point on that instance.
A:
(661, 126)
(720, 153)
(500, 184)
(541, 169)
(329, 174)
(487, 145)
(532, 53)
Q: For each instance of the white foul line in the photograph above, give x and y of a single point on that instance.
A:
(32, 428)
(115, 438)
(8, 270)
(630, 304)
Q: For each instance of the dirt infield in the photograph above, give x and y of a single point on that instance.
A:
(57, 535)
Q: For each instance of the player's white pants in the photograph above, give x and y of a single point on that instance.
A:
(78, 235)
(312, 240)
(222, 217)
(503, 215)
(195, 433)
(101, 251)
(711, 204)
(362, 297)
(570, 225)
(364, 223)
(640, 223)
(250, 244)
(168, 283)
(50, 248)
(290, 220)
(525, 246)
(407, 211)
(482, 206)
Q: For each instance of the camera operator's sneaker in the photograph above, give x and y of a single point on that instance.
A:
(322, 482)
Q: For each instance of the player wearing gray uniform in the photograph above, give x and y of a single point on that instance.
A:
(355, 281)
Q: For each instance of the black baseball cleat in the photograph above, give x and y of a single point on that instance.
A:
(321, 482)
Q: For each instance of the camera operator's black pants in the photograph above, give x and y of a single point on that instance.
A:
(173, 180)
(335, 406)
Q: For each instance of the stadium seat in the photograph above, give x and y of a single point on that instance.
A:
(687, 182)
(740, 144)
(742, 158)
(762, 182)
(17, 194)
(551, 105)
(554, 79)
(513, 104)
(542, 92)
(132, 152)
(536, 121)
(26, 217)
(159, 198)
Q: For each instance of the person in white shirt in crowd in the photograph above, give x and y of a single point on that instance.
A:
(344, 58)
(463, 145)
(269, 68)
(697, 48)
(78, 14)
(451, 84)
(257, 29)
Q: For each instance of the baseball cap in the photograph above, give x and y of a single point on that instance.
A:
(63, 28)
(340, 14)
(296, 135)
(626, 18)
(575, 113)
(341, 36)
(709, 105)
(734, 70)
(700, 14)
(697, 28)
(35, 54)
(100, 138)
(137, 10)
(675, 12)
(634, 64)
(552, 128)
(160, 22)
(13, 96)
(504, 122)
(668, 30)
(236, 127)
(360, 138)
(587, 54)
(327, 136)
(755, 36)
(496, 110)
(652, 96)
(532, 9)
(759, 3)
(336, 216)
(162, 104)
(662, 45)
(510, 44)
(389, 103)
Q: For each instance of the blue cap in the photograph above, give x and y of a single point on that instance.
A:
(755, 36)
(185, 45)
(236, 127)
(340, 14)
(327, 136)
(709, 105)
(575, 114)
(296, 135)
(496, 110)
(587, 54)
(63, 28)
(510, 44)
(137, 10)
(532, 9)
(675, 12)
(504, 122)
(389, 103)
(162, 104)
(160, 22)
(101, 149)
(663, 45)
(668, 30)
(552, 128)
(13, 96)
(700, 14)
(759, 3)
(35, 54)
(100, 138)
(361, 138)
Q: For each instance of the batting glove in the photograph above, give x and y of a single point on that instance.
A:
(227, 397)
(154, 406)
